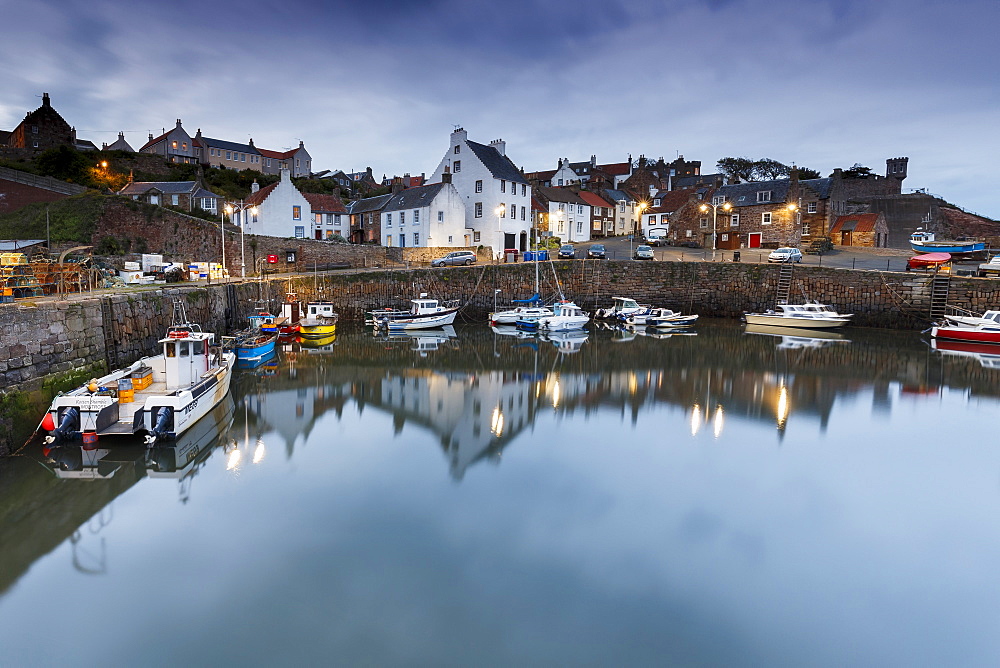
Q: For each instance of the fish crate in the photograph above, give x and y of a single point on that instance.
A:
(9, 259)
(142, 378)
(126, 396)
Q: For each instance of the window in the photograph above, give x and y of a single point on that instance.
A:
(457, 166)
(479, 186)
(560, 181)
(663, 217)
(300, 232)
(440, 216)
(388, 240)
(524, 190)
(388, 219)
(621, 222)
(656, 202)
(763, 195)
(458, 149)
(184, 145)
(319, 218)
(268, 162)
(523, 213)
(416, 216)
(735, 220)
(811, 207)
(479, 211)
(689, 233)
(579, 208)
(718, 199)
(173, 144)
(579, 227)
(296, 213)
(562, 206)
(402, 218)
(154, 199)
(416, 238)
(206, 203)
(449, 238)
(336, 219)
(229, 155)
(513, 211)
(296, 162)
(703, 223)
(475, 237)
(765, 218)
(503, 186)
(621, 207)
(34, 129)
(243, 157)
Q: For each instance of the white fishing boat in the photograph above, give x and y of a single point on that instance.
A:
(621, 307)
(565, 316)
(511, 316)
(421, 341)
(162, 396)
(811, 315)
(566, 342)
(793, 338)
(424, 313)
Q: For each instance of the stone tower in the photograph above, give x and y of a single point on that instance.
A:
(896, 168)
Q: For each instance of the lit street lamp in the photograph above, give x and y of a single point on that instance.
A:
(726, 206)
(231, 208)
(636, 224)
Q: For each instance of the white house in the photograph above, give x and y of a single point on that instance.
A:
(431, 215)
(496, 196)
(569, 214)
(282, 211)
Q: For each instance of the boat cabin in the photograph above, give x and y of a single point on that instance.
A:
(922, 237)
(567, 309)
(424, 306)
(187, 355)
(320, 310)
(625, 304)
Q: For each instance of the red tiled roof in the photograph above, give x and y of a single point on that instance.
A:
(258, 197)
(864, 222)
(593, 199)
(536, 205)
(324, 203)
(157, 140)
(672, 200)
(278, 155)
(615, 168)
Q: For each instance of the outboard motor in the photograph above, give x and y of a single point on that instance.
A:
(69, 423)
(163, 420)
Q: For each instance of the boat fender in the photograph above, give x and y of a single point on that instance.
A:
(70, 419)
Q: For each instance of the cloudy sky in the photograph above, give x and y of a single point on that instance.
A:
(821, 83)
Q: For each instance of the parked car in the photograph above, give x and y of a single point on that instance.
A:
(567, 252)
(654, 239)
(455, 258)
(785, 254)
(597, 251)
(643, 253)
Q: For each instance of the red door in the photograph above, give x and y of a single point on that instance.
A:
(754, 241)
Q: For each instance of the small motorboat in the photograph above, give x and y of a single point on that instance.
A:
(566, 316)
(320, 321)
(291, 314)
(620, 306)
(989, 317)
(255, 346)
(811, 315)
(424, 313)
(264, 321)
(663, 318)
(511, 316)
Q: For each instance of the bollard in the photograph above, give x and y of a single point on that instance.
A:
(854, 261)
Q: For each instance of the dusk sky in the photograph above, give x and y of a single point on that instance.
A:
(823, 84)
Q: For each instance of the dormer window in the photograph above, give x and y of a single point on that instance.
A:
(763, 195)
(718, 199)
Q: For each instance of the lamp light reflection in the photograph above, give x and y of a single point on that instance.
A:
(259, 452)
(234, 460)
(782, 406)
(695, 419)
(556, 394)
(496, 422)
(718, 422)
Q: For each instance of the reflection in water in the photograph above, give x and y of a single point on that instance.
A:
(466, 396)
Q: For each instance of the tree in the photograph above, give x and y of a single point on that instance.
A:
(767, 169)
(856, 172)
(64, 163)
(736, 169)
(805, 173)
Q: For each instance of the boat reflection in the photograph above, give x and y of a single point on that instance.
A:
(987, 354)
(793, 337)
(268, 359)
(421, 341)
(322, 344)
(567, 342)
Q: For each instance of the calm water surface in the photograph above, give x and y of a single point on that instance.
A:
(484, 499)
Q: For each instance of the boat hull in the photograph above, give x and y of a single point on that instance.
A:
(779, 320)
(258, 350)
(969, 334)
(418, 322)
(317, 331)
(948, 246)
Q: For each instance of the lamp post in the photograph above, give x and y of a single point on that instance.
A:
(231, 208)
(636, 224)
(794, 208)
(726, 206)
(500, 211)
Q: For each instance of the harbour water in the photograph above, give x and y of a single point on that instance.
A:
(475, 497)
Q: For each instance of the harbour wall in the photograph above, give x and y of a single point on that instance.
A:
(50, 346)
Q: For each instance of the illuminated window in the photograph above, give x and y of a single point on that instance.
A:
(296, 213)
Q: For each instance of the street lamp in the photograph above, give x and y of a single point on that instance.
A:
(500, 211)
(636, 224)
(794, 208)
(726, 206)
(231, 208)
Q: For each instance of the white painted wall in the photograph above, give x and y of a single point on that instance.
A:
(570, 222)
(489, 226)
(276, 214)
(446, 229)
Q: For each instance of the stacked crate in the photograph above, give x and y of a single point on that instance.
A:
(17, 279)
(125, 391)
(142, 378)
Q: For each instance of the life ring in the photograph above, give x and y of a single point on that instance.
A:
(177, 335)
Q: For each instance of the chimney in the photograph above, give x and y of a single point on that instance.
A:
(285, 175)
(254, 187)
(301, 144)
(197, 135)
(178, 122)
(446, 177)
(45, 100)
(458, 136)
(500, 145)
(150, 136)
(121, 136)
(251, 140)
(397, 185)
(104, 146)
(593, 161)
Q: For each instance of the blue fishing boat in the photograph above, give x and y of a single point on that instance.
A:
(255, 346)
(925, 242)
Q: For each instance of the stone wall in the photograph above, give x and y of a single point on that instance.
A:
(425, 255)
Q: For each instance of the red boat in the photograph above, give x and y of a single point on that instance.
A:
(291, 313)
(985, 333)
(928, 261)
